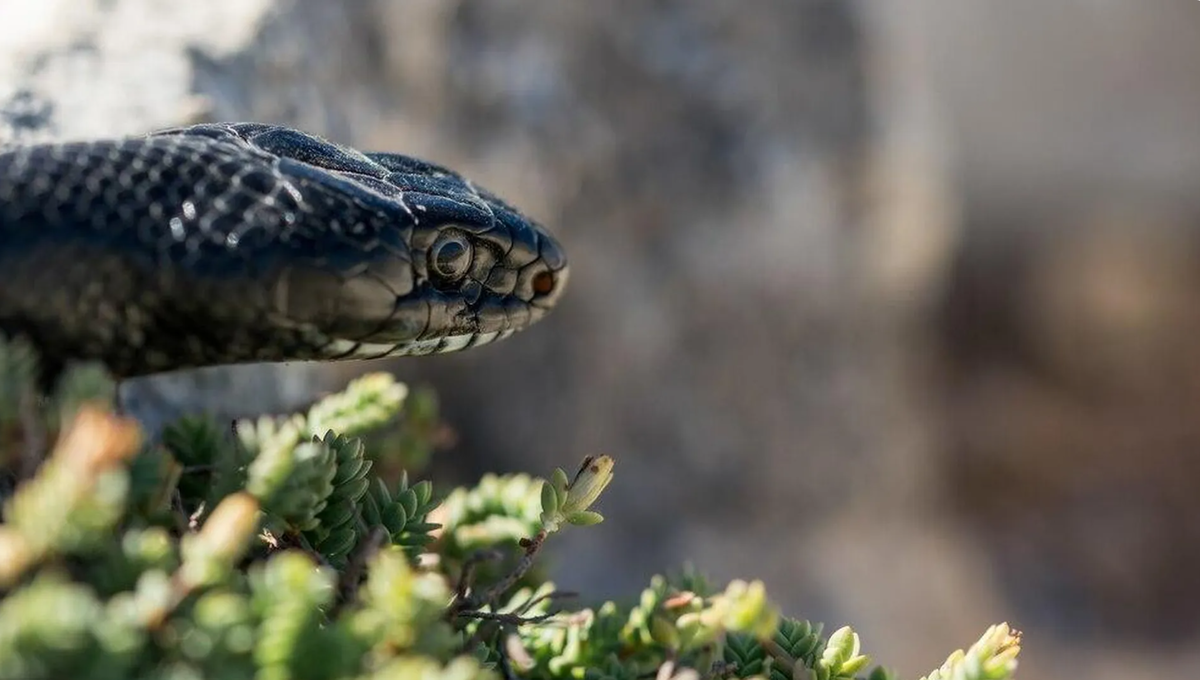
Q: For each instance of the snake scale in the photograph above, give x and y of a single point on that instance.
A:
(230, 243)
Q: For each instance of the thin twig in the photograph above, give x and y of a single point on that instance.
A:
(531, 549)
(510, 619)
(552, 595)
(467, 577)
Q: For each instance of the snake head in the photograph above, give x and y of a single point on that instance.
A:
(389, 254)
(484, 269)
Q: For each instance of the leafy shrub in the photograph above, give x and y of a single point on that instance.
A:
(273, 550)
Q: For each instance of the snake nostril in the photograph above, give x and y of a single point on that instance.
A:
(543, 283)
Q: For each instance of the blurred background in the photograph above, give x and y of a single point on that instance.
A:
(894, 307)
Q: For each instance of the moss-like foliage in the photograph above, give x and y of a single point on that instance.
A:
(286, 548)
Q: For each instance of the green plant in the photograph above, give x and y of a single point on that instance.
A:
(276, 551)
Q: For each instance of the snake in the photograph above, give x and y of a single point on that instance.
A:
(231, 243)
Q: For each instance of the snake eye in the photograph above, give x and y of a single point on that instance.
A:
(450, 257)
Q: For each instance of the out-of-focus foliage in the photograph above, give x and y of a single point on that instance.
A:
(270, 551)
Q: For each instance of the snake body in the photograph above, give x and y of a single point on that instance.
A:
(243, 242)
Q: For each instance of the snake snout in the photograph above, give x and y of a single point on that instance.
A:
(521, 286)
(543, 282)
(533, 268)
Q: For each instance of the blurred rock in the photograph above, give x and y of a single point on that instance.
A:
(1069, 316)
(1072, 419)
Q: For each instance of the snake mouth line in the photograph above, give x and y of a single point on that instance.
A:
(350, 349)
